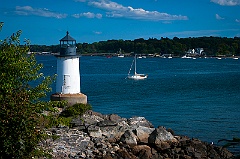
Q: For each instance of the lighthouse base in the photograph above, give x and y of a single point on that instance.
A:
(70, 98)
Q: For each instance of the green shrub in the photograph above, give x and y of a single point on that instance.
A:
(65, 121)
(59, 104)
(75, 110)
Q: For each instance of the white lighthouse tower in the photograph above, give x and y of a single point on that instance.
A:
(68, 73)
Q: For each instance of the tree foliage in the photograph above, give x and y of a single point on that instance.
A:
(21, 108)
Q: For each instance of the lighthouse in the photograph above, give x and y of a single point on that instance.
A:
(68, 73)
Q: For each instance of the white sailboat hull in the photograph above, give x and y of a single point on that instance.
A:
(138, 76)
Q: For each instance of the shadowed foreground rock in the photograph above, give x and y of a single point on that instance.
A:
(113, 137)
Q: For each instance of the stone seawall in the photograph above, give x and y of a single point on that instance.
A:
(96, 136)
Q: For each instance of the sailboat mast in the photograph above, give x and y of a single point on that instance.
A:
(135, 64)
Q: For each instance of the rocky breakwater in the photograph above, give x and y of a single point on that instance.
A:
(111, 137)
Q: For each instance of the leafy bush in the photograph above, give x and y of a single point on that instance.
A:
(64, 121)
(65, 118)
(75, 110)
(21, 110)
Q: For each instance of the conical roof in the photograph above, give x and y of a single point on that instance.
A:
(67, 38)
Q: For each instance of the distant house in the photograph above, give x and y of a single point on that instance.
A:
(191, 51)
(196, 51)
(199, 50)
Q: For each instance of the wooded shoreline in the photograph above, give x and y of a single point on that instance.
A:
(213, 46)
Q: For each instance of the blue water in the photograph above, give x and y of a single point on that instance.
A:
(197, 98)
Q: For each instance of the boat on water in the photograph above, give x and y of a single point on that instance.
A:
(120, 54)
(186, 57)
(141, 57)
(136, 76)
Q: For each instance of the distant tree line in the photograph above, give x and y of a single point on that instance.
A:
(213, 46)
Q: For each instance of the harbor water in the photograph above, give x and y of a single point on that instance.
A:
(199, 98)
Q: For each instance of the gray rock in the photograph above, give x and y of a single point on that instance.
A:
(139, 121)
(94, 131)
(105, 123)
(114, 117)
(142, 151)
(143, 133)
(160, 134)
(129, 138)
(114, 132)
(78, 122)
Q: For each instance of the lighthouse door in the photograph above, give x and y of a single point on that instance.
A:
(66, 84)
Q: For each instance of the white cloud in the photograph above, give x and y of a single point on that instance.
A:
(80, 0)
(219, 17)
(227, 2)
(196, 33)
(43, 12)
(87, 15)
(99, 16)
(116, 10)
(97, 32)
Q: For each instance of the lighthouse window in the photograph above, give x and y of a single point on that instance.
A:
(66, 81)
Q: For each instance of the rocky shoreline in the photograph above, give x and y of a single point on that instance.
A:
(96, 136)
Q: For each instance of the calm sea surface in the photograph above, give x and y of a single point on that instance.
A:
(197, 98)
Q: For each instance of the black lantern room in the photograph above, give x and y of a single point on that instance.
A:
(67, 46)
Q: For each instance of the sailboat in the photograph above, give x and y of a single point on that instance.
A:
(120, 53)
(136, 76)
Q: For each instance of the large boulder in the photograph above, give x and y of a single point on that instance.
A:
(142, 151)
(139, 121)
(129, 138)
(161, 138)
(143, 133)
(160, 134)
(114, 117)
(114, 133)
(94, 131)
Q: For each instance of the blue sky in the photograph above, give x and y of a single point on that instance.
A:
(45, 22)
